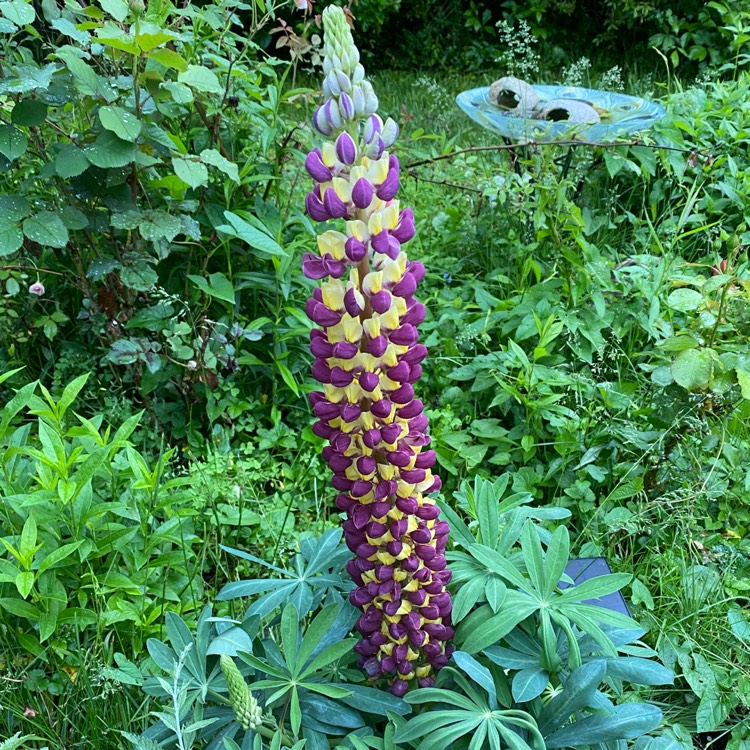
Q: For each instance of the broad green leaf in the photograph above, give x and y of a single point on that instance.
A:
(627, 722)
(192, 173)
(692, 368)
(529, 684)
(58, 555)
(46, 228)
(118, 9)
(517, 608)
(24, 583)
(213, 158)
(29, 113)
(110, 152)
(70, 161)
(684, 300)
(711, 712)
(123, 124)
(88, 81)
(20, 608)
(11, 237)
(201, 78)
(216, 285)
(13, 142)
(743, 380)
(18, 12)
(168, 58)
(242, 229)
(149, 41)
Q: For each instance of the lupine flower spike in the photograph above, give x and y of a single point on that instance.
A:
(245, 707)
(368, 359)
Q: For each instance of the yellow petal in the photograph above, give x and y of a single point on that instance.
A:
(358, 229)
(328, 154)
(333, 294)
(372, 283)
(333, 243)
(372, 327)
(390, 215)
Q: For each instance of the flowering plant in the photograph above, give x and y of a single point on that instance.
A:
(368, 360)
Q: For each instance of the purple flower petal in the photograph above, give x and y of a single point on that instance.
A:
(316, 168)
(335, 207)
(355, 249)
(362, 193)
(405, 229)
(368, 381)
(346, 149)
(315, 208)
(389, 187)
(380, 301)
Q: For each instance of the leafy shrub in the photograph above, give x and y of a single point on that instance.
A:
(142, 153)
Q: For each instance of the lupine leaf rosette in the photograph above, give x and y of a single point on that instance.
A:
(367, 356)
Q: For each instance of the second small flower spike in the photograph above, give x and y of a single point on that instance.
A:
(368, 358)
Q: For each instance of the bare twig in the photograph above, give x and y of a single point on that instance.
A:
(574, 143)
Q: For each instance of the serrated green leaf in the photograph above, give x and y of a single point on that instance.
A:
(213, 158)
(46, 228)
(118, 9)
(13, 142)
(192, 173)
(692, 368)
(169, 59)
(70, 161)
(123, 124)
(29, 113)
(200, 78)
(18, 12)
(216, 285)
(110, 152)
(11, 237)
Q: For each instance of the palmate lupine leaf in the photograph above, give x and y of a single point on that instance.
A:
(471, 712)
(315, 573)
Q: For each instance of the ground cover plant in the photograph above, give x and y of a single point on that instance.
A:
(172, 569)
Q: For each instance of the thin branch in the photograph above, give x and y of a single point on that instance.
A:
(444, 183)
(515, 146)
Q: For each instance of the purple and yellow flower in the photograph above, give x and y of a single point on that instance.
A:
(368, 358)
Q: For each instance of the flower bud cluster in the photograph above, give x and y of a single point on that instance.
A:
(368, 358)
(245, 707)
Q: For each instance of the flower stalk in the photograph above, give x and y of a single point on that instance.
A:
(368, 358)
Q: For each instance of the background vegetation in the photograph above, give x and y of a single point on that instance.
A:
(588, 324)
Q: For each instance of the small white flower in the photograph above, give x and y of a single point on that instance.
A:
(37, 288)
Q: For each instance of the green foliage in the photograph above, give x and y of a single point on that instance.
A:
(91, 538)
(141, 155)
(549, 642)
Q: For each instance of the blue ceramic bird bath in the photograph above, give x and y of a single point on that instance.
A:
(620, 114)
